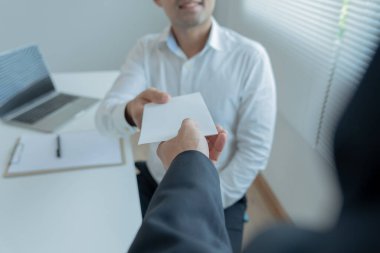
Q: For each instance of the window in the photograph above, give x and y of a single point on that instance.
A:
(319, 50)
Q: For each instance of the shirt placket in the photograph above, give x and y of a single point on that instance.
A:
(186, 77)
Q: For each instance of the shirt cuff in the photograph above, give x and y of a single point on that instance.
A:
(118, 116)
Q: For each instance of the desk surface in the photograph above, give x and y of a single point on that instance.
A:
(89, 210)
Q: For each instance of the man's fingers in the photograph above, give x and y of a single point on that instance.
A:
(188, 125)
(153, 95)
(136, 107)
(219, 128)
(220, 142)
(216, 144)
(212, 139)
(188, 138)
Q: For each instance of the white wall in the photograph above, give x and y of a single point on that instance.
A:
(221, 11)
(78, 35)
(302, 180)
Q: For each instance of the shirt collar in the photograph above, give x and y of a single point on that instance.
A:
(214, 41)
(215, 38)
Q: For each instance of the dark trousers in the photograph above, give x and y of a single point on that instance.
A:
(234, 215)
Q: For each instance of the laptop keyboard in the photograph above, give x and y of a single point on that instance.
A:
(44, 109)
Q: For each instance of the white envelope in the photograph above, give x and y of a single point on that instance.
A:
(161, 122)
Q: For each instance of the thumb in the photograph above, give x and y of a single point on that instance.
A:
(155, 96)
(188, 126)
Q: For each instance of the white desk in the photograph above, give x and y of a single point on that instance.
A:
(89, 210)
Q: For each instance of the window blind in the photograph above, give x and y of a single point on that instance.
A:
(358, 39)
(319, 51)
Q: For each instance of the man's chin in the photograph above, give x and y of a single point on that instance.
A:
(193, 22)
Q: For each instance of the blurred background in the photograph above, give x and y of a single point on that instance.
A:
(319, 51)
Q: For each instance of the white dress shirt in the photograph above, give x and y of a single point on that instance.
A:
(235, 78)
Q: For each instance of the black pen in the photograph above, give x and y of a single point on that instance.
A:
(58, 153)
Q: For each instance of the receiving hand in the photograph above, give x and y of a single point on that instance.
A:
(134, 109)
(190, 138)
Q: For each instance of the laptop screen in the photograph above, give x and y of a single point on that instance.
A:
(23, 77)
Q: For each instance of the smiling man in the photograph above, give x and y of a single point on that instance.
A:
(234, 76)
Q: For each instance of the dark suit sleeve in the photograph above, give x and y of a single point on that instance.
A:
(186, 212)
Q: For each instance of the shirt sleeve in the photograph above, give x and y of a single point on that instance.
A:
(110, 116)
(254, 132)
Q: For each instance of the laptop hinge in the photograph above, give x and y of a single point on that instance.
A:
(31, 104)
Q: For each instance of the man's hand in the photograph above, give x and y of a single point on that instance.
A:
(190, 138)
(134, 109)
(216, 143)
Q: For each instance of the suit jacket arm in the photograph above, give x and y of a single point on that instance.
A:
(185, 213)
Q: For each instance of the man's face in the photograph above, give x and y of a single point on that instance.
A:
(187, 13)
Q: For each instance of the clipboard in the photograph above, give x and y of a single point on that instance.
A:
(37, 153)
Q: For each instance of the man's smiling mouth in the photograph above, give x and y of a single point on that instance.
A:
(189, 4)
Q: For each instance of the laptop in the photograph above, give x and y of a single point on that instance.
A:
(27, 94)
